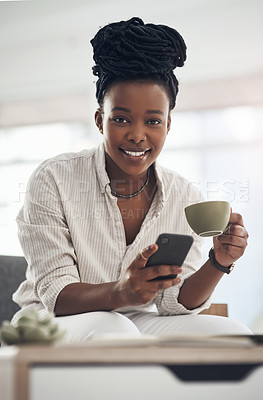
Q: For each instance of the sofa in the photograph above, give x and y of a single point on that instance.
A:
(12, 273)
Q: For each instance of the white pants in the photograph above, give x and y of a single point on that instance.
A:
(81, 327)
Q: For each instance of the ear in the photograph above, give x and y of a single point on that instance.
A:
(169, 122)
(99, 120)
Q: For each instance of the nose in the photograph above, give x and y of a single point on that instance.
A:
(136, 134)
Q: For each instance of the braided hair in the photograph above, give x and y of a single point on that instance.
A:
(131, 50)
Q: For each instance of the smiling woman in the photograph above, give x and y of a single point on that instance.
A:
(134, 134)
(90, 219)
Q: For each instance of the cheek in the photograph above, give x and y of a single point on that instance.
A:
(161, 144)
(110, 135)
(160, 138)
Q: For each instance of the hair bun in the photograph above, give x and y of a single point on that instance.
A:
(131, 47)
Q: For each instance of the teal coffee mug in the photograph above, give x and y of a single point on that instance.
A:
(208, 218)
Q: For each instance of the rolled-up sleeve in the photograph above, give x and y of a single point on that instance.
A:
(46, 242)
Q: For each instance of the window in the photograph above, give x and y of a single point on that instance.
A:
(21, 151)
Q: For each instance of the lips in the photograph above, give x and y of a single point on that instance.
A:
(135, 153)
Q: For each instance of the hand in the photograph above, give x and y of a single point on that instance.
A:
(231, 245)
(136, 286)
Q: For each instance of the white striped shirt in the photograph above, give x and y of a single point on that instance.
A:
(71, 229)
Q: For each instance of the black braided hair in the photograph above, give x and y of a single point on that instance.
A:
(132, 50)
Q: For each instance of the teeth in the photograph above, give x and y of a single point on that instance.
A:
(135, 153)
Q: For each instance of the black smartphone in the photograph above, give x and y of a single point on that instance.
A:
(172, 250)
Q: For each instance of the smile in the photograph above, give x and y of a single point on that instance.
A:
(135, 153)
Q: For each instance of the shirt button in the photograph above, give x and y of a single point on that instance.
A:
(118, 223)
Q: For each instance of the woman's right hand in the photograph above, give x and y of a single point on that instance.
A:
(136, 286)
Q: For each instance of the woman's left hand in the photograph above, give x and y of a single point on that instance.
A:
(231, 245)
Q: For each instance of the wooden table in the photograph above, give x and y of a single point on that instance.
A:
(212, 361)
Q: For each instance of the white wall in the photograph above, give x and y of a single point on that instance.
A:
(46, 54)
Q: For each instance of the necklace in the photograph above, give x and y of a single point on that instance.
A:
(129, 196)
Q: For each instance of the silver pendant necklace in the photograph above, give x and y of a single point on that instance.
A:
(129, 196)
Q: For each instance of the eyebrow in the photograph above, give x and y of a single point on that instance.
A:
(121, 109)
(154, 112)
(128, 110)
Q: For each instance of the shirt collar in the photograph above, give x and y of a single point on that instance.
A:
(160, 181)
(100, 164)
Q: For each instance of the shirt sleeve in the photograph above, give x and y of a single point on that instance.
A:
(167, 300)
(46, 242)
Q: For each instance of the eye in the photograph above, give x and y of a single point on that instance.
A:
(120, 120)
(154, 121)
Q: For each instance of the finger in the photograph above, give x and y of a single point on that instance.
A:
(236, 230)
(155, 271)
(231, 240)
(155, 286)
(143, 256)
(236, 218)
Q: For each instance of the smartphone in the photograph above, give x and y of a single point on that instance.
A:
(172, 250)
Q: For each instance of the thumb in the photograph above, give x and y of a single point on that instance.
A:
(145, 254)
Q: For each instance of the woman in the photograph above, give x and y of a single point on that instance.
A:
(90, 220)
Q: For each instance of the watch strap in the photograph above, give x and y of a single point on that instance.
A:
(218, 266)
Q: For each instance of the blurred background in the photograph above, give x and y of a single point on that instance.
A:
(47, 105)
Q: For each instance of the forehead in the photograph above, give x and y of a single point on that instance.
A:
(143, 95)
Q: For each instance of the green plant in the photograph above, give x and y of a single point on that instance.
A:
(30, 328)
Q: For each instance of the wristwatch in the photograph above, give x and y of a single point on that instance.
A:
(218, 266)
